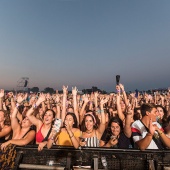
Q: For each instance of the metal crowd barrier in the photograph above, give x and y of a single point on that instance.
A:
(68, 158)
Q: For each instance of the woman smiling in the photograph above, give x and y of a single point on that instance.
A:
(91, 131)
(44, 127)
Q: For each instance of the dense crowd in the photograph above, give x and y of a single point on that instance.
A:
(115, 120)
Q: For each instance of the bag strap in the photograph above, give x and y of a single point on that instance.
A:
(157, 141)
(48, 134)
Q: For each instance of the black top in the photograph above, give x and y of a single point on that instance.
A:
(123, 141)
(2, 139)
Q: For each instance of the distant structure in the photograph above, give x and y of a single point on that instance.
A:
(92, 90)
(22, 84)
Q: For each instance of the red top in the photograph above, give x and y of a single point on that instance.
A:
(39, 136)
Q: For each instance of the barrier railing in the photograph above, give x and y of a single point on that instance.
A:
(68, 158)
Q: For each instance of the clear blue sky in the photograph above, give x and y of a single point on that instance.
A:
(85, 43)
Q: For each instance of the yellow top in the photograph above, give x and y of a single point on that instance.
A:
(64, 138)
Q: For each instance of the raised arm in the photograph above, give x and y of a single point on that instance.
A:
(124, 94)
(128, 121)
(30, 112)
(1, 98)
(11, 96)
(162, 100)
(119, 110)
(74, 93)
(63, 114)
(58, 104)
(48, 98)
(103, 117)
(20, 98)
(15, 125)
(82, 111)
(96, 94)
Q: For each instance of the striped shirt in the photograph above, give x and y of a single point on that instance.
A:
(92, 142)
(139, 132)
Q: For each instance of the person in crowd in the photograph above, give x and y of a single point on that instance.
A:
(5, 126)
(23, 134)
(115, 136)
(147, 133)
(91, 131)
(68, 135)
(121, 102)
(67, 106)
(161, 114)
(5, 123)
(118, 134)
(44, 126)
(166, 126)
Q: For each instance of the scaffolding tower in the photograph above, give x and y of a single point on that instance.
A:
(23, 84)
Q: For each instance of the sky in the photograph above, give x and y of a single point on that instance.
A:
(85, 43)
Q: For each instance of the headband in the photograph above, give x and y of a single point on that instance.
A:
(91, 115)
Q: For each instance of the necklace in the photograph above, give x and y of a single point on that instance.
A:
(89, 132)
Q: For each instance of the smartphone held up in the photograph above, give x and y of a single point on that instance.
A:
(117, 79)
(57, 124)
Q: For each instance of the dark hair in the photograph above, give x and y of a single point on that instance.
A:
(137, 114)
(83, 126)
(108, 130)
(166, 122)
(21, 108)
(164, 110)
(7, 120)
(108, 112)
(115, 120)
(146, 107)
(47, 111)
(75, 125)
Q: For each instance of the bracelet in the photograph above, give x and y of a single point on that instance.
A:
(52, 138)
(101, 111)
(17, 105)
(118, 91)
(160, 132)
(34, 106)
(98, 111)
(71, 136)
